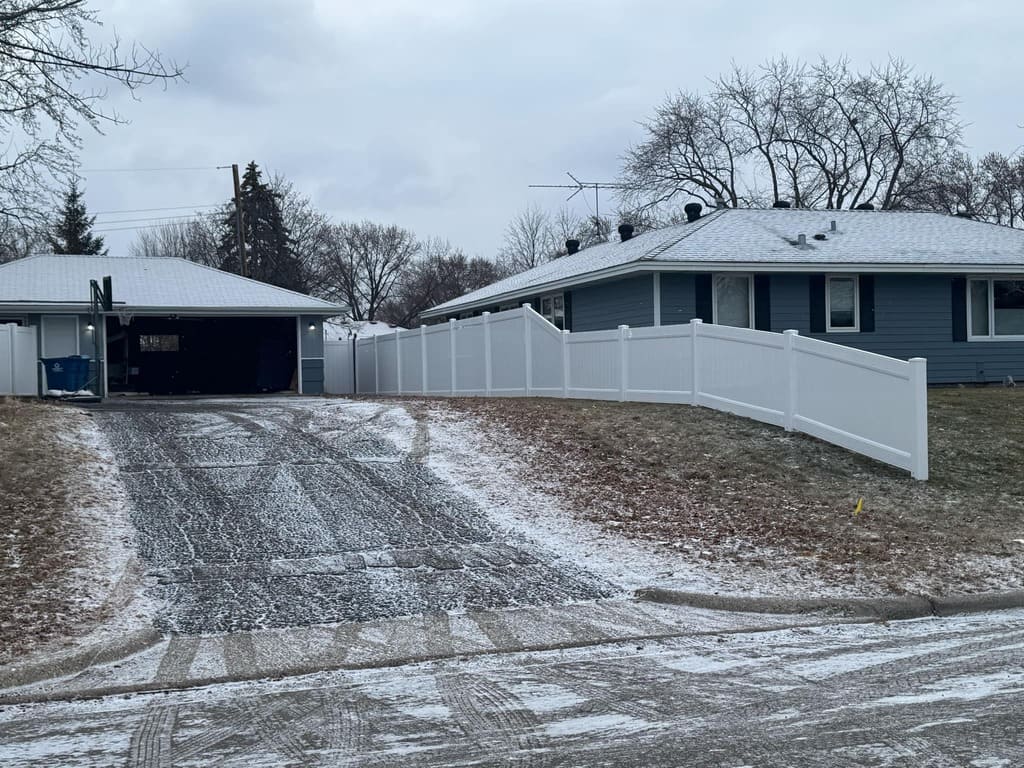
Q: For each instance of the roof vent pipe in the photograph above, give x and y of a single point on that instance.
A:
(625, 231)
(801, 240)
(835, 226)
(572, 246)
(692, 211)
(781, 204)
(865, 207)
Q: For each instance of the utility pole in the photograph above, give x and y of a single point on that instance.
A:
(239, 229)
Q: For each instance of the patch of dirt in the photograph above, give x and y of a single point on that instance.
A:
(730, 491)
(55, 569)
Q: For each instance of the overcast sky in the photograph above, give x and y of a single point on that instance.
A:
(437, 114)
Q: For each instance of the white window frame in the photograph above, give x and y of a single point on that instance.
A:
(552, 296)
(855, 328)
(750, 295)
(990, 280)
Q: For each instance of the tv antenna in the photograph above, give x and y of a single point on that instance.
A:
(579, 186)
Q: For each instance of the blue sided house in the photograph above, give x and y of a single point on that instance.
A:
(902, 284)
(169, 325)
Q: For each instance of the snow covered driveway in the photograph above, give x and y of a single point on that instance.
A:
(257, 514)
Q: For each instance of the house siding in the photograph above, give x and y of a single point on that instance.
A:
(678, 298)
(618, 302)
(913, 318)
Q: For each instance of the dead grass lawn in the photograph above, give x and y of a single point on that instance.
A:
(727, 488)
(39, 534)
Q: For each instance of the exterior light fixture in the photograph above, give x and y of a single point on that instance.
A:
(312, 326)
(90, 327)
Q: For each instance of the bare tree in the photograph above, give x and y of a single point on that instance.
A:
(529, 241)
(440, 273)
(193, 239)
(820, 135)
(363, 263)
(48, 64)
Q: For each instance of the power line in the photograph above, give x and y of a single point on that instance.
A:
(168, 208)
(142, 226)
(147, 170)
(156, 218)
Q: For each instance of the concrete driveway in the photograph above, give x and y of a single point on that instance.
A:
(250, 518)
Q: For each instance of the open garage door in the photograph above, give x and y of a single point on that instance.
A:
(201, 355)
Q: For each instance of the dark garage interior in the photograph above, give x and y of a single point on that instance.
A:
(201, 355)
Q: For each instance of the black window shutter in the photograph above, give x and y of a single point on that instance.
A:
(959, 306)
(704, 307)
(762, 303)
(568, 310)
(867, 303)
(817, 303)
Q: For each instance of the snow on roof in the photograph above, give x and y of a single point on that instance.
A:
(363, 328)
(759, 237)
(142, 284)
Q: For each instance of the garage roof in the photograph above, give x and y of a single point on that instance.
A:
(147, 285)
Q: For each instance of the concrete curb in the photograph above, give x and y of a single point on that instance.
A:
(882, 608)
(18, 674)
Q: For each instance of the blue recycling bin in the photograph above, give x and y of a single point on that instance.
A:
(67, 373)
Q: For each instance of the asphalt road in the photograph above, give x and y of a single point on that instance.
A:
(936, 692)
(248, 518)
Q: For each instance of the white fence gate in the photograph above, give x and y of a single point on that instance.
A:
(867, 403)
(18, 363)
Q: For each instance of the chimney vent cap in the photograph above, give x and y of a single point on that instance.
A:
(625, 232)
(692, 211)
(572, 246)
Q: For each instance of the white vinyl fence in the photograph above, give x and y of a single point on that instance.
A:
(18, 364)
(867, 403)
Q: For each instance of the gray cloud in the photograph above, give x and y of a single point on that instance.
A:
(438, 115)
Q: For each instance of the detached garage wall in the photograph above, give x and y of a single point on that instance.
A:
(311, 354)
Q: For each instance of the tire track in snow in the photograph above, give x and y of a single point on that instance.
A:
(150, 745)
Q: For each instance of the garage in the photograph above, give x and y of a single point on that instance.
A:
(169, 326)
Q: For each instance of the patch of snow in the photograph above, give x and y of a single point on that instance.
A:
(599, 724)
(334, 330)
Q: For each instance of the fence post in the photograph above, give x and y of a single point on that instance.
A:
(528, 346)
(487, 353)
(919, 386)
(423, 357)
(789, 349)
(695, 325)
(623, 362)
(565, 363)
(398, 363)
(355, 366)
(451, 350)
(376, 367)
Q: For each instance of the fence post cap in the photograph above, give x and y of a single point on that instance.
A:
(696, 320)
(918, 360)
(486, 314)
(527, 305)
(791, 332)
(623, 327)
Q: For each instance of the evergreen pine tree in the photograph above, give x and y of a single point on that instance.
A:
(72, 232)
(269, 253)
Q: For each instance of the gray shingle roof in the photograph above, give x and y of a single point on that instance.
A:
(738, 237)
(147, 284)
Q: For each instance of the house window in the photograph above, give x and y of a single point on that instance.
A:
(733, 300)
(552, 309)
(842, 303)
(163, 342)
(995, 308)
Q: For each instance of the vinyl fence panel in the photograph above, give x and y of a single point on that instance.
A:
(864, 402)
(19, 368)
(338, 367)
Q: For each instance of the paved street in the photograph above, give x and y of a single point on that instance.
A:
(930, 692)
(249, 519)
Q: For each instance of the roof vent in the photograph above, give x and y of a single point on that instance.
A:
(781, 204)
(572, 246)
(964, 215)
(821, 236)
(625, 231)
(834, 227)
(865, 207)
(692, 211)
(801, 240)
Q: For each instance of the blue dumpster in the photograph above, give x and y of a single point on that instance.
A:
(67, 373)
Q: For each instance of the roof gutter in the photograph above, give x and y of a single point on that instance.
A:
(84, 308)
(645, 266)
